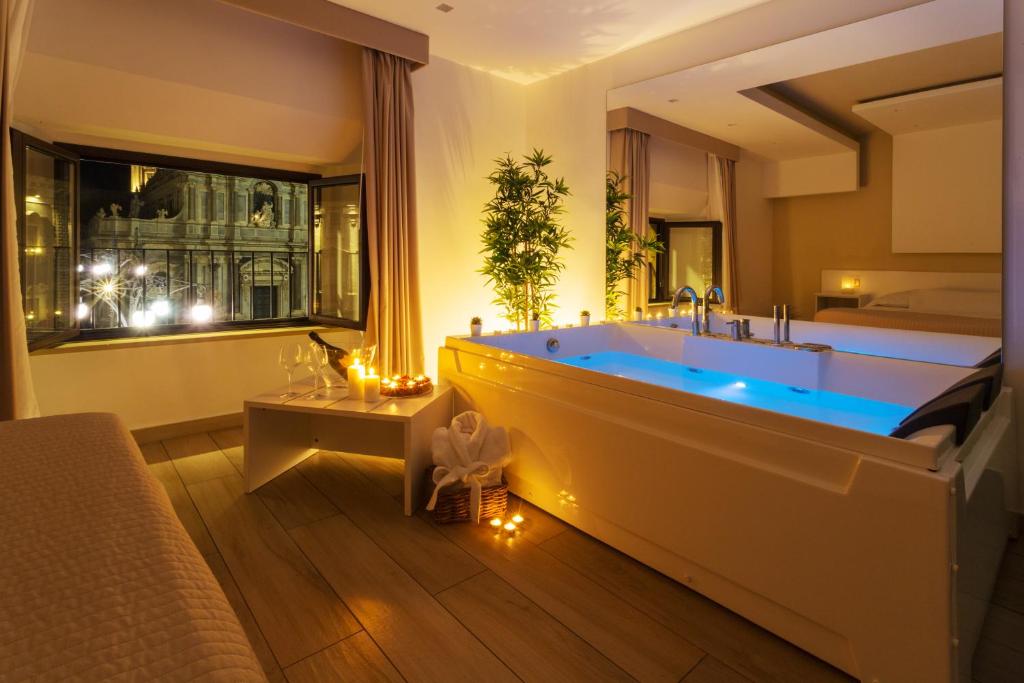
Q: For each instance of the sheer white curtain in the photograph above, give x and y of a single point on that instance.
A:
(17, 396)
(722, 207)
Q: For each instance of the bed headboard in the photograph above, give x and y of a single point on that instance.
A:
(878, 282)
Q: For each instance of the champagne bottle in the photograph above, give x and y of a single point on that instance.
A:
(337, 358)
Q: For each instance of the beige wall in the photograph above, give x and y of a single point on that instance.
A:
(947, 189)
(190, 78)
(849, 230)
(156, 384)
(465, 118)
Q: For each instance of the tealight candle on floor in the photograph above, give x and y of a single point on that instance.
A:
(510, 528)
(355, 381)
(517, 519)
(371, 386)
(496, 523)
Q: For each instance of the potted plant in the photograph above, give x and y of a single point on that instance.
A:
(523, 237)
(584, 318)
(638, 313)
(624, 250)
(476, 326)
(535, 321)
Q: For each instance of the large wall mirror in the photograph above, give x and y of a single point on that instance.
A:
(853, 174)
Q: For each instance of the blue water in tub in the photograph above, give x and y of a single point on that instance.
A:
(866, 415)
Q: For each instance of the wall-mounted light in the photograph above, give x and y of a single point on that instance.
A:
(848, 284)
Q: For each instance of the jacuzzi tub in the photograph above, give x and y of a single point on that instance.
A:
(763, 478)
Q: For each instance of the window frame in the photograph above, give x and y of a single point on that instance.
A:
(364, 254)
(79, 153)
(20, 142)
(662, 228)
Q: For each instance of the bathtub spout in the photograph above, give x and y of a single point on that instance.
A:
(716, 290)
(694, 320)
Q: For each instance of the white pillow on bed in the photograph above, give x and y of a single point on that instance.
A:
(893, 300)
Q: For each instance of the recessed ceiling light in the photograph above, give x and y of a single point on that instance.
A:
(444, 7)
(674, 100)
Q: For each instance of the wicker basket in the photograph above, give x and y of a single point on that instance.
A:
(453, 501)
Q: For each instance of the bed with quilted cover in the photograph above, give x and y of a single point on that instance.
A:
(98, 579)
(910, 320)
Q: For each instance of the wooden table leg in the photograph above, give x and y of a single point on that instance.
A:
(275, 441)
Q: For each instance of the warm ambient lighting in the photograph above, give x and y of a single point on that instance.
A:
(161, 307)
(143, 318)
(518, 519)
(202, 313)
(496, 523)
(848, 284)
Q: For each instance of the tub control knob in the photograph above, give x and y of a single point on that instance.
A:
(552, 345)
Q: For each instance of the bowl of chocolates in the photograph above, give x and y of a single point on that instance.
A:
(404, 386)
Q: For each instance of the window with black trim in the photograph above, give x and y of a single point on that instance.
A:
(117, 244)
(692, 256)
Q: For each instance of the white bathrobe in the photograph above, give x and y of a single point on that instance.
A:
(469, 451)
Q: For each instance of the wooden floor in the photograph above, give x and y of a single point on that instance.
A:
(333, 583)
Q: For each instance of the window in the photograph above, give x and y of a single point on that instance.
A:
(692, 256)
(120, 244)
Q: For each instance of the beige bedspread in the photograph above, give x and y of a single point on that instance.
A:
(907, 320)
(98, 579)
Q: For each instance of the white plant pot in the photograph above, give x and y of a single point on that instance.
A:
(476, 330)
(534, 325)
(638, 315)
(584, 321)
(673, 312)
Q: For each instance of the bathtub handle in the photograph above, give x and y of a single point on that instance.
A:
(553, 345)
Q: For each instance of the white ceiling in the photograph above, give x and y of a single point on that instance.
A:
(709, 99)
(529, 40)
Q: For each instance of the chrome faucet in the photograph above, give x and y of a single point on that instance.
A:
(713, 289)
(692, 293)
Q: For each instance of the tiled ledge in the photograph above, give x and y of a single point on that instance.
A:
(186, 338)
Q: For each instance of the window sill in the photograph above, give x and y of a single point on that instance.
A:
(181, 338)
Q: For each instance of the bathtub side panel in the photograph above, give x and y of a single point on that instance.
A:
(845, 555)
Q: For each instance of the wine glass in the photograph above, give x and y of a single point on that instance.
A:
(289, 357)
(315, 359)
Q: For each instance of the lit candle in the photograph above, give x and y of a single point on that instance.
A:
(371, 386)
(355, 381)
(496, 523)
(510, 528)
(518, 519)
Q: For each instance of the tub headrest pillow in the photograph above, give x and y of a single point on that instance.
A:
(960, 408)
(994, 358)
(989, 378)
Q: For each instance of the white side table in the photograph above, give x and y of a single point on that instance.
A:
(282, 432)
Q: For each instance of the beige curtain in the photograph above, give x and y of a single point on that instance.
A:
(722, 199)
(393, 320)
(17, 397)
(631, 157)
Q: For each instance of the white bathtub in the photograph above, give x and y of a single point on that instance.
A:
(844, 542)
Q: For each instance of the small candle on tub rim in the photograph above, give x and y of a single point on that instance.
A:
(355, 381)
(371, 386)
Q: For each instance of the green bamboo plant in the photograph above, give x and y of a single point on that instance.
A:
(523, 237)
(625, 251)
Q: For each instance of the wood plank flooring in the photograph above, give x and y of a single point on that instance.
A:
(332, 583)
